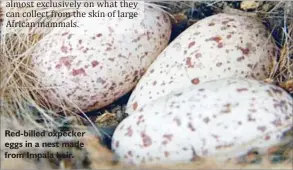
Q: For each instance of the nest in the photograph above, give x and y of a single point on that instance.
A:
(22, 102)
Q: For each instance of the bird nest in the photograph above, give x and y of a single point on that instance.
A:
(23, 106)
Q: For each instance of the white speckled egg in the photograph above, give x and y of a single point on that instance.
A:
(219, 46)
(92, 65)
(223, 118)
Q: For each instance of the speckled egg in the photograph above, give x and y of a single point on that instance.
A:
(223, 118)
(218, 46)
(92, 65)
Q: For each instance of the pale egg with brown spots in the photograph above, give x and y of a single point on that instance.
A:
(218, 46)
(90, 66)
(224, 119)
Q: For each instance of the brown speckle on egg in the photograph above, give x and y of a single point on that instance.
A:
(166, 153)
(134, 105)
(195, 81)
(191, 127)
(129, 132)
(146, 140)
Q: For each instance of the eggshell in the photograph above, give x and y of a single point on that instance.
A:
(223, 119)
(219, 46)
(92, 65)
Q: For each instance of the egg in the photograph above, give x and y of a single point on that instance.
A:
(221, 119)
(218, 46)
(90, 66)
